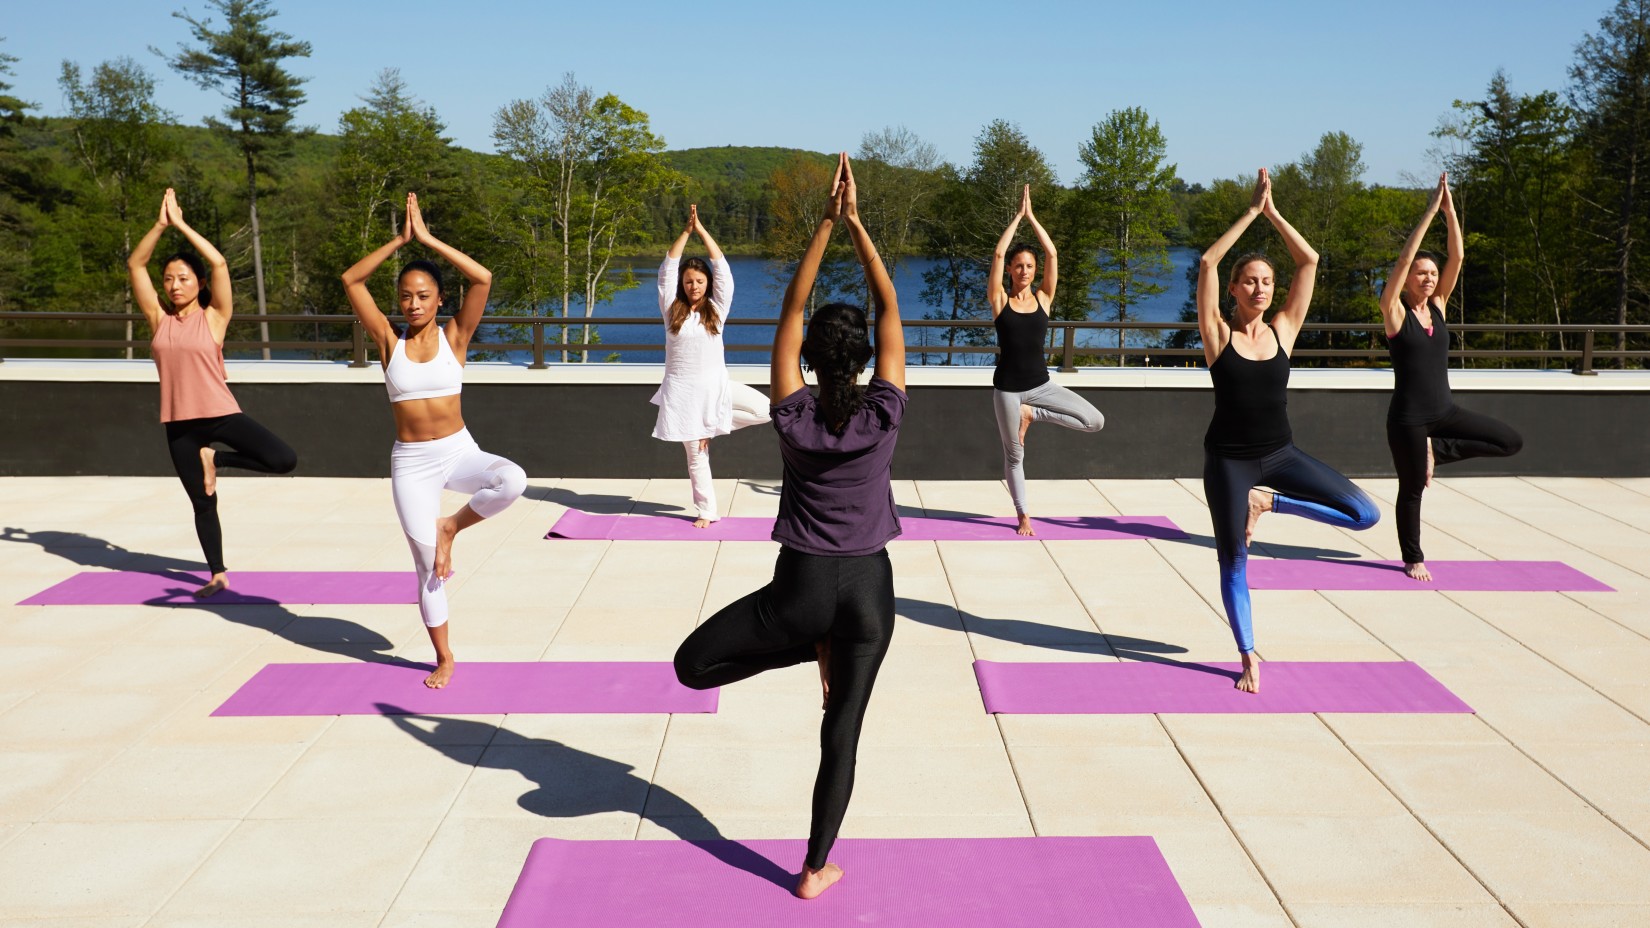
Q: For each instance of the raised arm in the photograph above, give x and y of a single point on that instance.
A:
(1392, 304)
(137, 270)
(1210, 325)
(222, 299)
(360, 298)
(890, 332)
(994, 281)
(1051, 259)
(470, 311)
(722, 276)
(1287, 323)
(785, 366)
(1456, 250)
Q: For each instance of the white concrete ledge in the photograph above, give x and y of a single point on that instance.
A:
(499, 372)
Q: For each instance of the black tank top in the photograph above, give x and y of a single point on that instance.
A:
(1021, 362)
(1420, 365)
(1251, 404)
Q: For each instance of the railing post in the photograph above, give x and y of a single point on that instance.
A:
(358, 344)
(538, 348)
(1068, 347)
(1586, 367)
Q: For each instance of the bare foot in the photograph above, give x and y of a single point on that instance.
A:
(1429, 463)
(1026, 415)
(1250, 681)
(218, 583)
(1258, 503)
(1418, 571)
(1025, 526)
(209, 464)
(813, 882)
(701, 522)
(822, 650)
(443, 673)
(446, 529)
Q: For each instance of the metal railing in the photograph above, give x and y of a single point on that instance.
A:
(1582, 354)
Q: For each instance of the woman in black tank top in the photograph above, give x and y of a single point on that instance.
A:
(1423, 424)
(1249, 442)
(1023, 392)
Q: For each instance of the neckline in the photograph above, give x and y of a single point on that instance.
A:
(441, 337)
(1231, 345)
(1008, 304)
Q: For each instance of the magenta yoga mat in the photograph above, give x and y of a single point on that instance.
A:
(1110, 882)
(476, 689)
(1133, 688)
(583, 525)
(1460, 576)
(247, 587)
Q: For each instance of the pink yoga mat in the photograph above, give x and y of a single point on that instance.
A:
(1137, 688)
(476, 689)
(247, 587)
(1462, 576)
(584, 525)
(891, 882)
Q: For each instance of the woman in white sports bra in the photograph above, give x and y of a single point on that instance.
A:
(424, 373)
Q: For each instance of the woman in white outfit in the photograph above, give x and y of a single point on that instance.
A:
(697, 401)
(424, 374)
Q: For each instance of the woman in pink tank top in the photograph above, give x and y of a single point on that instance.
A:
(196, 406)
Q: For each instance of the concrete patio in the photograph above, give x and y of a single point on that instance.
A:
(122, 803)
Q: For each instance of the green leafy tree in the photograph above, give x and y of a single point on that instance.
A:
(15, 175)
(1126, 210)
(1611, 91)
(243, 61)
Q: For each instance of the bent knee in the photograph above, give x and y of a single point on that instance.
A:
(1514, 444)
(1093, 421)
(285, 462)
(1365, 514)
(511, 480)
(688, 674)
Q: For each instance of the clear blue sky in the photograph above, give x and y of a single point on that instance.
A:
(1232, 89)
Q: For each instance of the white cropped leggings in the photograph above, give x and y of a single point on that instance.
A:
(750, 407)
(1049, 402)
(419, 471)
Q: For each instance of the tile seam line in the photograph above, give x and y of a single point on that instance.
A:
(1505, 907)
(1502, 735)
(218, 845)
(1553, 535)
(1224, 820)
(445, 815)
(1525, 479)
(1617, 481)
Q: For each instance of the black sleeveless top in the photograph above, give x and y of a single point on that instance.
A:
(1420, 365)
(1021, 360)
(1251, 404)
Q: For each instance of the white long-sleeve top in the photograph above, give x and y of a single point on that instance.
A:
(694, 400)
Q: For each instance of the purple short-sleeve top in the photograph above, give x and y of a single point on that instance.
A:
(837, 500)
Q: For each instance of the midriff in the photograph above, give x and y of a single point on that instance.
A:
(427, 420)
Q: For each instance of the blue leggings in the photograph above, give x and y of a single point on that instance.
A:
(1305, 487)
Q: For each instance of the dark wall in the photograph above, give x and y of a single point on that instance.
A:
(602, 430)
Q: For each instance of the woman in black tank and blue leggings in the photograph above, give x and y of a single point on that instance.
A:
(1249, 442)
(1023, 392)
(1423, 424)
(832, 594)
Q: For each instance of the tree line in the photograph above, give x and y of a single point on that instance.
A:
(1550, 186)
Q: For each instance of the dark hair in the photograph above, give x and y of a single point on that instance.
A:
(198, 268)
(1245, 260)
(427, 267)
(837, 347)
(1015, 249)
(679, 310)
(1438, 260)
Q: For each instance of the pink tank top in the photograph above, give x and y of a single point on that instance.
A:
(193, 384)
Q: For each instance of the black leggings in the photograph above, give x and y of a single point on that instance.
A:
(1456, 436)
(846, 600)
(252, 447)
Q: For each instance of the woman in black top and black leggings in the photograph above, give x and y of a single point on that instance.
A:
(1249, 441)
(1423, 424)
(1023, 392)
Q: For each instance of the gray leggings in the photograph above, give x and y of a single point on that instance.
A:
(1049, 402)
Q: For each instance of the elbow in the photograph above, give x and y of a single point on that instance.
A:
(482, 278)
(1207, 264)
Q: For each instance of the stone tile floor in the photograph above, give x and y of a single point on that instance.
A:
(123, 804)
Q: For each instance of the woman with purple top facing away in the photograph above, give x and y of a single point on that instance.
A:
(832, 594)
(1423, 425)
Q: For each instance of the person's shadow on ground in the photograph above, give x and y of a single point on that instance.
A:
(572, 783)
(321, 633)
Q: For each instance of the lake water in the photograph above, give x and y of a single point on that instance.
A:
(758, 290)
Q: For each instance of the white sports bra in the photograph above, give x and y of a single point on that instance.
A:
(406, 379)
